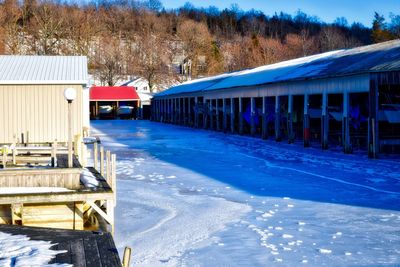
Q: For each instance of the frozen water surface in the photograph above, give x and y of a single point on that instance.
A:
(199, 198)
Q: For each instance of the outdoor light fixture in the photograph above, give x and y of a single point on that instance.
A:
(70, 95)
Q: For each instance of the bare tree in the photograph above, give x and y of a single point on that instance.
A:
(47, 29)
(108, 63)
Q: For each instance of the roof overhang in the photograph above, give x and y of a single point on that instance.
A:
(57, 82)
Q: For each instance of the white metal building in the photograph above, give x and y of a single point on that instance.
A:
(32, 104)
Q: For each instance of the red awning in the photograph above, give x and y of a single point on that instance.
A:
(113, 93)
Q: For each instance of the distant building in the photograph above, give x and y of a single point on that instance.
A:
(346, 98)
(143, 90)
(109, 102)
(32, 104)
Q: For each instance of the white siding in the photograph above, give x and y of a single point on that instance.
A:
(40, 110)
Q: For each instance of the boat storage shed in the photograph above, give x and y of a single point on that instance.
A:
(346, 98)
(32, 104)
(112, 97)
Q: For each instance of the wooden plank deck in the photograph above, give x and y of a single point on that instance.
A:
(84, 248)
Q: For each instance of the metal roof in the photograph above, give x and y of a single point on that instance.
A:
(380, 57)
(43, 70)
(113, 93)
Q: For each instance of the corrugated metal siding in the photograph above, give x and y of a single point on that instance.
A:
(43, 70)
(40, 110)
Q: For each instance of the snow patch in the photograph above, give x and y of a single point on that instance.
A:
(19, 250)
(324, 251)
(88, 179)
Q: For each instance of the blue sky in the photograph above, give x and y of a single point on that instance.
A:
(326, 10)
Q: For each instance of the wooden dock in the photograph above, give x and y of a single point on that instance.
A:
(77, 207)
(83, 248)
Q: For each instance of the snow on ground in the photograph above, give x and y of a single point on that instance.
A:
(19, 250)
(198, 198)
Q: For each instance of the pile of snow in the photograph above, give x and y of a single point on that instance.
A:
(19, 250)
(88, 179)
(30, 190)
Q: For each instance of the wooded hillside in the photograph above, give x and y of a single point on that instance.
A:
(142, 38)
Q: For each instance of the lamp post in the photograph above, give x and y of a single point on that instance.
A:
(70, 95)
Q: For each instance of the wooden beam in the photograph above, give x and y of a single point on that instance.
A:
(55, 197)
(54, 154)
(211, 115)
(225, 116)
(108, 167)
(346, 124)
(217, 117)
(306, 123)
(114, 175)
(324, 122)
(232, 115)
(196, 112)
(127, 257)
(106, 216)
(240, 116)
(252, 116)
(264, 134)
(95, 156)
(373, 119)
(290, 120)
(102, 160)
(278, 136)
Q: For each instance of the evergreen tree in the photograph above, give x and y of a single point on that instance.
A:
(380, 33)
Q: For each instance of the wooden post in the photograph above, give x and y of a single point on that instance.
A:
(54, 154)
(224, 119)
(4, 157)
(189, 112)
(185, 119)
(127, 257)
(84, 156)
(167, 110)
(95, 156)
(179, 121)
(196, 112)
(114, 175)
(324, 121)
(172, 100)
(240, 116)
(14, 155)
(217, 118)
(278, 136)
(205, 113)
(162, 118)
(232, 115)
(373, 119)
(171, 112)
(77, 144)
(211, 115)
(175, 110)
(108, 168)
(252, 116)
(290, 120)
(102, 161)
(345, 124)
(264, 134)
(306, 123)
